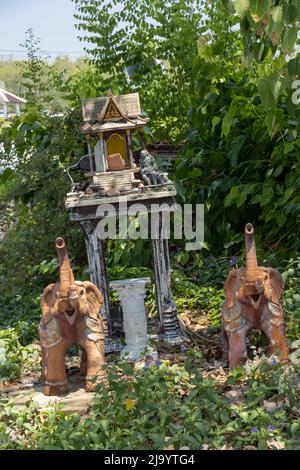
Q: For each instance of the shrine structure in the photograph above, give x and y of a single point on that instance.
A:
(115, 175)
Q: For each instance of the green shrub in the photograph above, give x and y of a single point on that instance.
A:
(166, 406)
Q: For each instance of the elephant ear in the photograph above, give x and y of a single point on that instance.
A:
(47, 302)
(94, 298)
(230, 287)
(277, 285)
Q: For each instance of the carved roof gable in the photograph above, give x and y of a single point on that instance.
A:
(111, 111)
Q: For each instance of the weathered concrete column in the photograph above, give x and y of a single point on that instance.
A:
(96, 260)
(166, 307)
(100, 161)
(131, 293)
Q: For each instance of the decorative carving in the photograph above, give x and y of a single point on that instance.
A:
(112, 112)
(70, 315)
(252, 302)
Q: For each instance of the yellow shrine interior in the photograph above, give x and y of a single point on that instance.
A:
(116, 144)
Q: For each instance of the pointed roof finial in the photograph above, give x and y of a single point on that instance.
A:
(110, 93)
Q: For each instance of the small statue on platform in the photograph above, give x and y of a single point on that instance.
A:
(150, 173)
(252, 302)
(70, 315)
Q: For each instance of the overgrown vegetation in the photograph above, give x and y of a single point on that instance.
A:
(215, 78)
(196, 413)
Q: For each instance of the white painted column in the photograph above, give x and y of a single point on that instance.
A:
(100, 162)
(5, 110)
(131, 293)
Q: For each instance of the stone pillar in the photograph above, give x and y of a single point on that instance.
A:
(166, 306)
(96, 260)
(100, 162)
(131, 293)
(129, 148)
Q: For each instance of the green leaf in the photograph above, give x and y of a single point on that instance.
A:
(259, 7)
(266, 95)
(267, 195)
(289, 40)
(241, 6)
(232, 196)
(276, 13)
(271, 123)
(215, 121)
(195, 173)
(226, 124)
(237, 144)
(276, 86)
(280, 219)
(287, 194)
(295, 429)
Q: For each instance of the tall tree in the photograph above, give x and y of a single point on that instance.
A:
(148, 47)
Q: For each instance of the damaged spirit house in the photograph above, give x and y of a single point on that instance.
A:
(113, 174)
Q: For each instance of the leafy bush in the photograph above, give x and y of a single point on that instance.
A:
(165, 406)
(10, 358)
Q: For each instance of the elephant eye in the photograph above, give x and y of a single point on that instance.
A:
(81, 292)
(266, 277)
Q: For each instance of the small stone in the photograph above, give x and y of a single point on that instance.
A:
(28, 385)
(112, 192)
(279, 445)
(234, 396)
(270, 406)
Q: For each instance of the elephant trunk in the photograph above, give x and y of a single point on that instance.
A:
(251, 260)
(66, 277)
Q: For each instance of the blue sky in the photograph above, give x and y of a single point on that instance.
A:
(51, 20)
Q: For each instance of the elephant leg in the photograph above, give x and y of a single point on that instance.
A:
(224, 344)
(276, 339)
(95, 360)
(83, 363)
(238, 347)
(43, 371)
(56, 378)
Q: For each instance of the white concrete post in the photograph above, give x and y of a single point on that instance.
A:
(99, 155)
(5, 110)
(131, 293)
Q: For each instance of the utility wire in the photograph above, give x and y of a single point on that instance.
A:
(43, 52)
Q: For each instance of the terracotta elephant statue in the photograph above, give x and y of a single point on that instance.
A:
(70, 315)
(252, 302)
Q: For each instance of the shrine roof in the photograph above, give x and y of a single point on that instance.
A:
(95, 127)
(112, 113)
(93, 108)
(7, 97)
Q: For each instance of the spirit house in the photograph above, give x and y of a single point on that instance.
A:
(114, 175)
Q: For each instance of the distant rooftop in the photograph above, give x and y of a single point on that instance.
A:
(6, 98)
